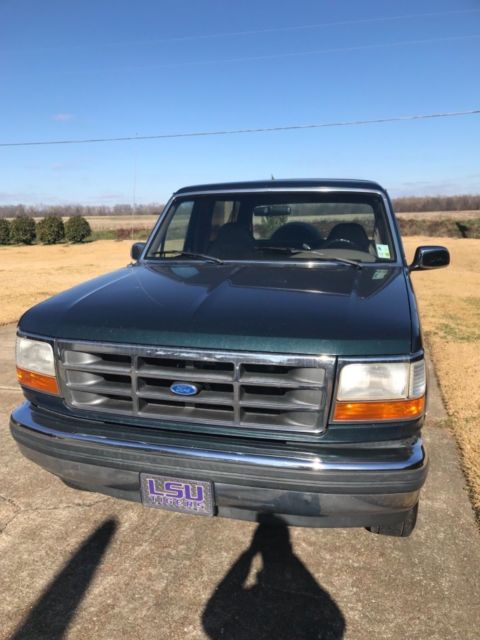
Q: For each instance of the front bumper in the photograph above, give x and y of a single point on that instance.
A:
(337, 486)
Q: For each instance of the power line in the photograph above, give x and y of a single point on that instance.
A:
(231, 34)
(303, 27)
(287, 54)
(227, 132)
(268, 56)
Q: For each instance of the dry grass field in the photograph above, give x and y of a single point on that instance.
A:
(107, 223)
(32, 273)
(449, 301)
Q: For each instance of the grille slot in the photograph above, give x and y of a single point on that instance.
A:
(267, 392)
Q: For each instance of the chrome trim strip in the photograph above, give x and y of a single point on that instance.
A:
(194, 353)
(300, 462)
(409, 357)
(278, 190)
(35, 336)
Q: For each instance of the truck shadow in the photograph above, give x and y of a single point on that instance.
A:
(285, 601)
(52, 613)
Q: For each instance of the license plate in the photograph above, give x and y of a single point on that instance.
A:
(177, 494)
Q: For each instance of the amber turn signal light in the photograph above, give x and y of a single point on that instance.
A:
(384, 410)
(38, 381)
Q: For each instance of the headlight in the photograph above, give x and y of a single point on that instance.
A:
(380, 391)
(35, 365)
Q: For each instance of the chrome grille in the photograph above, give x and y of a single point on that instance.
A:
(262, 391)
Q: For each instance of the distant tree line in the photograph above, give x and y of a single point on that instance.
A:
(68, 210)
(467, 202)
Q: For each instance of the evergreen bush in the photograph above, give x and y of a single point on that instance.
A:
(51, 230)
(22, 230)
(77, 229)
(4, 231)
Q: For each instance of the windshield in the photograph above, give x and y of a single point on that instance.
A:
(275, 227)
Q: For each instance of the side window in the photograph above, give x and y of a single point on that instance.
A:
(177, 229)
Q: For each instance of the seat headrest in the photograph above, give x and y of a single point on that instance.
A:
(296, 234)
(350, 231)
(232, 241)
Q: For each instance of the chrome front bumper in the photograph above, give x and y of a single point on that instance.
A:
(337, 487)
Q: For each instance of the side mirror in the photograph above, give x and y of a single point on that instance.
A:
(430, 257)
(137, 250)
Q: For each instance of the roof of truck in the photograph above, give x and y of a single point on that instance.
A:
(284, 184)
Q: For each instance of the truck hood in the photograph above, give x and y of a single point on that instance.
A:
(325, 309)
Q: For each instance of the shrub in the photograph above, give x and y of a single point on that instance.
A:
(50, 230)
(4, 231)
(22, 230)
(77, 229)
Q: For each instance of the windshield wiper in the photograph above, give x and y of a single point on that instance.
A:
(307, 249)
(188, 254)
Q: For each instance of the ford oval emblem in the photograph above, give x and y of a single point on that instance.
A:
(184, 389)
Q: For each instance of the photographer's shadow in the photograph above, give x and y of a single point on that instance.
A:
(285, 600)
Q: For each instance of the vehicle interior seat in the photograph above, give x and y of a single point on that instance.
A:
(296, 235)
(233, 241)
(348, 234)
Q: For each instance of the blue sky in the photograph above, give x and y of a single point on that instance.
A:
(97, 68)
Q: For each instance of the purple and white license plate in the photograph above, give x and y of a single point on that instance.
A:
(177, 494)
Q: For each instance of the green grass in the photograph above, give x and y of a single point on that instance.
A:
(459, 333)
(119, 234)
(473, 301)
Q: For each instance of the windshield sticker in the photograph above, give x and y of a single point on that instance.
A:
(383, 251)
(379, 274)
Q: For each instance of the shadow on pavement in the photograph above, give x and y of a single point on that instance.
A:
(54, 610)
(284, 602)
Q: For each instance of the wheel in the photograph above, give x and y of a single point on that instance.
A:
(400, 529)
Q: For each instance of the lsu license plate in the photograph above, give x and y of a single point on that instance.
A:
(177, 494)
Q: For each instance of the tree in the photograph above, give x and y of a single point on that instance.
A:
(4, 231)
(50, 230)
(22, 230)
(77, 229)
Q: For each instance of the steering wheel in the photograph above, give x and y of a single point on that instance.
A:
(341, 243)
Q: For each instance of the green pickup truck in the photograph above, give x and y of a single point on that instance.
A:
(260, 358)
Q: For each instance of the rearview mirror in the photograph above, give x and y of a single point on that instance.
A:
(430, 257)
(137, 250)
(267, 210)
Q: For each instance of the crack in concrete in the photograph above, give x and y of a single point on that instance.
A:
(8, 522)
(10, 501)
(20, 510)
(17, 510)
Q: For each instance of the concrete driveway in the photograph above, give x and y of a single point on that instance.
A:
(78, 565)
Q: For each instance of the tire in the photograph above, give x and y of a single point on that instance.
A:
(401, 529)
